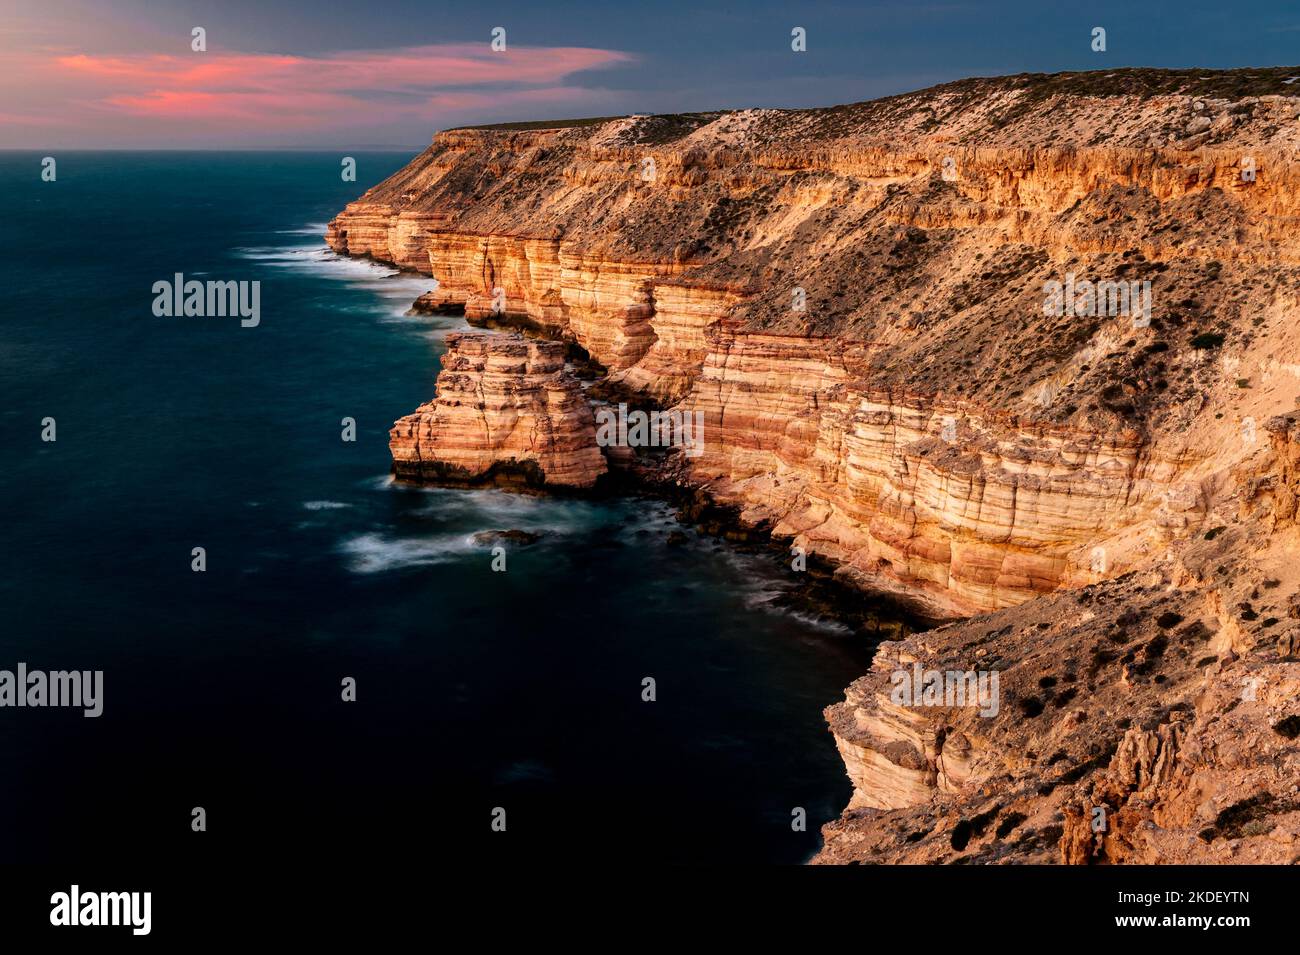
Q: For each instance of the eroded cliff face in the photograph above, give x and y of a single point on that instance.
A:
(507, 412)
(854, 298)
(953, 507)
(856, 301)
(1150, 718)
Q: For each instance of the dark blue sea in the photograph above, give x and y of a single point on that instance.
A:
(222, 689)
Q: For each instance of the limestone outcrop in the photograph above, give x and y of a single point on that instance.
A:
(506, 412)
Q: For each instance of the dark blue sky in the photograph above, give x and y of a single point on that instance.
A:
(671, 56)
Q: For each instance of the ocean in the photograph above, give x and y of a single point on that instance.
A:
(476, 690)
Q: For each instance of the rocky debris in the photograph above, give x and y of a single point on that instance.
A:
(438, 302)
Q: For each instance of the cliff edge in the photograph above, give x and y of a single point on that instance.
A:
(1018, 350)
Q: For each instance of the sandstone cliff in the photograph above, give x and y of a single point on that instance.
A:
(506, 412)
(856, 301)
(839, 290)
(1151, 718)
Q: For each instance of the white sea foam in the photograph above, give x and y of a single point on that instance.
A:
(455, 516)
(501, 508)
(319, 259)
(762, 598)
(818, 622)
(374, 553)
(313, 228)
(396, 289)
(324, 505)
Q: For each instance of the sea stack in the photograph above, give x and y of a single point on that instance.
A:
(506, 412)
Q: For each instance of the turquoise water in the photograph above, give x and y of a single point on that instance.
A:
(475, 689)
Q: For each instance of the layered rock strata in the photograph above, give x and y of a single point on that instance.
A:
(725, 262)
(857, 302)
(506, 411)
(1150, 718)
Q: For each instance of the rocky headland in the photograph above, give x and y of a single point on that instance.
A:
(855, 302)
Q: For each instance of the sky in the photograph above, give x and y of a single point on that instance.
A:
(346, 74)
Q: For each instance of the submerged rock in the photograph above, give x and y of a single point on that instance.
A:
(523, 538)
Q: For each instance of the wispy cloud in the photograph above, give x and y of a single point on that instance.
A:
(247, 94)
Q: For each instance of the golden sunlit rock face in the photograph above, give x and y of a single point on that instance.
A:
(506, 412)
(859, 302)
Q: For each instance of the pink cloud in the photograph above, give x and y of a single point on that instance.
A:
(205, 93)
(303, 109)
(452, 64)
